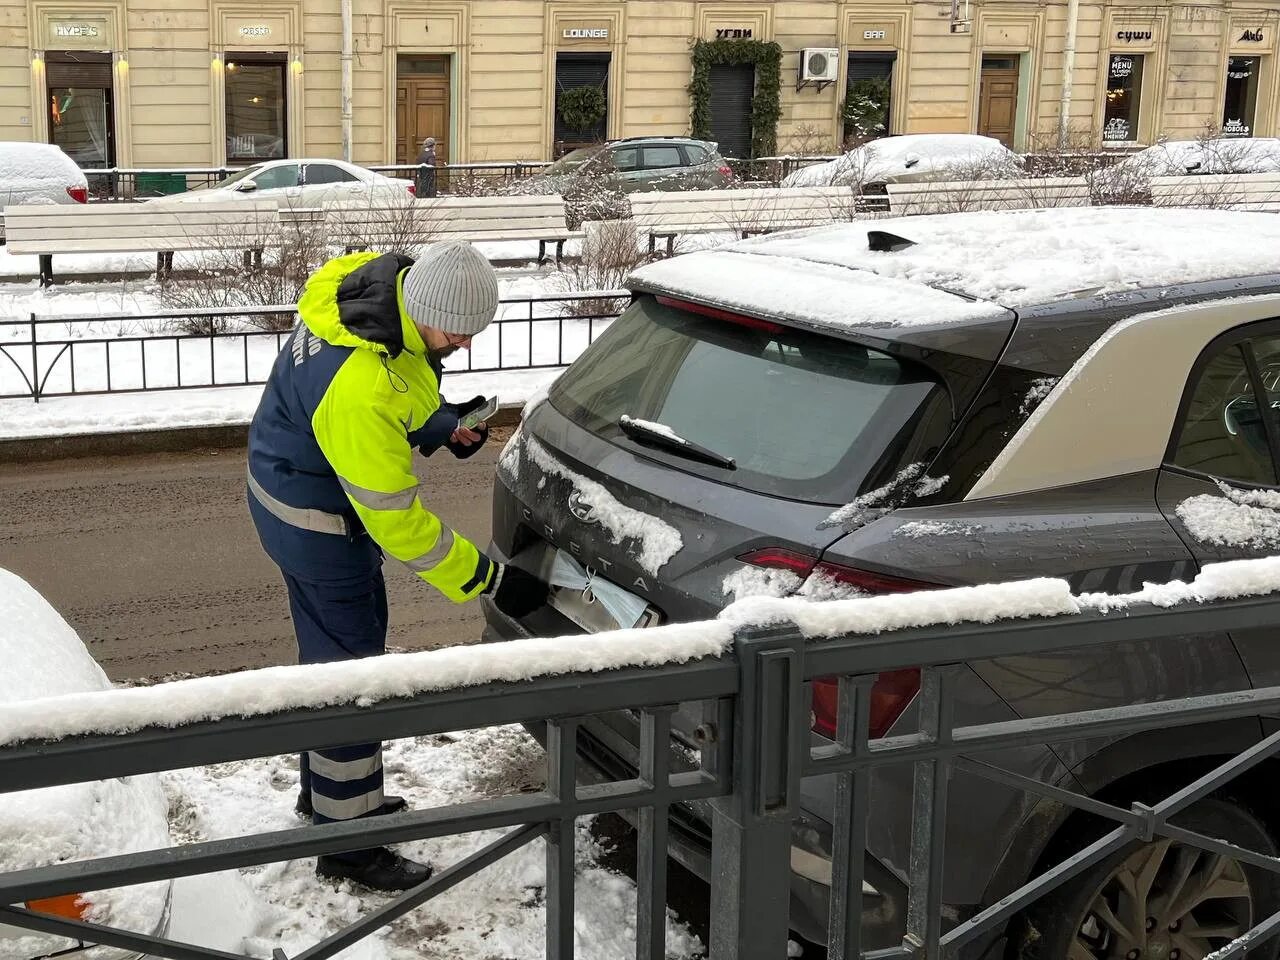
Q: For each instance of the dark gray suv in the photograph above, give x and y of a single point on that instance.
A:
(896, 405)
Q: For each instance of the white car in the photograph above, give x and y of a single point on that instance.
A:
(297, 184)
(39, 173)
(912, 158)
(1180, 158)
(43, 657)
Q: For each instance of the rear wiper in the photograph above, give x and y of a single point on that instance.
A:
(659, 435)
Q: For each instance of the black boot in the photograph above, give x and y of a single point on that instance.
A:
(382, 870)
(389, 805)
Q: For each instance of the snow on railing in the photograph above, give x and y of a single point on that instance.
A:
(365, 682)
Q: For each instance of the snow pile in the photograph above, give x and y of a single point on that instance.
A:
(1240, 518)
(649, 426)
(1217, 581)
(760, 582)
(1021, 257)
(921, 156)
(499, 913)
(658, 540)
(760, 283)
(1041, 387)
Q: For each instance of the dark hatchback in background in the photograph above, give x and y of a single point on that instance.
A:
(852, 411)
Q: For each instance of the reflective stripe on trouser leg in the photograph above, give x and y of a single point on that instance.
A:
(346, 782)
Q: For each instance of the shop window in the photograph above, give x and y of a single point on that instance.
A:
(1124, 94)
(255, 95)
(868, 96)
(1242, 96)
(575, 125)
(81, 111)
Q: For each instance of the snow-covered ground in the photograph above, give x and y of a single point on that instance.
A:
(499, 913)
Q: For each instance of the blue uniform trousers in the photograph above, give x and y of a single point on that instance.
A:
(340, 621)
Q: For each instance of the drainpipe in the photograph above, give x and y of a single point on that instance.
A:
(346, 80)
(1068, 73)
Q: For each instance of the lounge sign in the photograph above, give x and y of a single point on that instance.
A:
(588, 33)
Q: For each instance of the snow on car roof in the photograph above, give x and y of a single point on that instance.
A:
(1011, 258)
(824, 295)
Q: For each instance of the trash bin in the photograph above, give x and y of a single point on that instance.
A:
(157, 184)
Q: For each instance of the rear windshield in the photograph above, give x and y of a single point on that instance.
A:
(802, 415)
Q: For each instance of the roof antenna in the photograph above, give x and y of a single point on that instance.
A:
(880, 241)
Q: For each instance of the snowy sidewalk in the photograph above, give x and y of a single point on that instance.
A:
(23, 419)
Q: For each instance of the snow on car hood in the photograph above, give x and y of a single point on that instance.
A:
(44, 657)
(1177, 158)
(925, 156)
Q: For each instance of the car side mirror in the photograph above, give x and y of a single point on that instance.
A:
(246, 186)
(914, 161)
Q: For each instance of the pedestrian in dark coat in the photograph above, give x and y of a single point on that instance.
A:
(426, 186)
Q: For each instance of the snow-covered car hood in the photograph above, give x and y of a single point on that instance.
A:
(1178, 158)
(932, 156)
(36, 173)
(45, 658)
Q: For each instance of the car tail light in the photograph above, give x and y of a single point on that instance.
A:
(742, 320)
(893, 690)
(69, 905)
(413, 191)
(78, 194)
(726, 172)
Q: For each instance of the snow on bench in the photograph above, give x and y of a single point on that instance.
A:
(1239, 191)
(46, 230)
(475, 219)
(957, 196)
(744, 212)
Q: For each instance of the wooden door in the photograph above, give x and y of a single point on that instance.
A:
(998, 103)
(422, 110)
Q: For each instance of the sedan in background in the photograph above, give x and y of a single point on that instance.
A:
(44, 657)
(912, 158)
(299, 184)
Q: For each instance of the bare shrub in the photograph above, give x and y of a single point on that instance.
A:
(238, 272)
(610, 250)
(406, 226)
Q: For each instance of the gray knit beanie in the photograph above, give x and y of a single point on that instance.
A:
(452, 288)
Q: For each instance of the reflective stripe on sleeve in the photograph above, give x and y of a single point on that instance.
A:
(435, 556)
(374, 500)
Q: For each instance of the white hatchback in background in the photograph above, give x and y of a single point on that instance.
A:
(44, 657)
(1180, 158)
(913, 158)
(296, 184)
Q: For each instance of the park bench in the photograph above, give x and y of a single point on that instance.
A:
(744, 212)
(957, 196)
(474, 219)
(1232, 191)
(46, 230)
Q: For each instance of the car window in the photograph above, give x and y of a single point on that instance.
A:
(661, 157)
(625, 158)
(696, 154)
(1223, 433)
(802, 415)
(320, 173)
(272, 178)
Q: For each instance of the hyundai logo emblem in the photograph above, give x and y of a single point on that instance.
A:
(580, 508)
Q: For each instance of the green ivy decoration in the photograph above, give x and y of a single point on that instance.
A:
(582, 108)
(766, 105)
(866, 108)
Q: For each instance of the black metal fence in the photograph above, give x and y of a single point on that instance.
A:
(78, 355)
(753, 777)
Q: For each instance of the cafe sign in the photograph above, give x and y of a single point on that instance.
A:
(1121, 67)
(734, 33)
(83, 33)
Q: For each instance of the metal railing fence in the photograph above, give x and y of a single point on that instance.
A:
(74, 355)
(756, 751)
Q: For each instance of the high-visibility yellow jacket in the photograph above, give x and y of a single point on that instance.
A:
(331, 444)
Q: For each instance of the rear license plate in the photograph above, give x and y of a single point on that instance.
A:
(584, 606)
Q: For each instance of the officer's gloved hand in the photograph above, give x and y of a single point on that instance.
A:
(516, 593)
(461, 450)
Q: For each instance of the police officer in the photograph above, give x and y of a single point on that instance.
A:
(332, 489)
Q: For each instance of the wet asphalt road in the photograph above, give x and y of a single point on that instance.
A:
(154, 561)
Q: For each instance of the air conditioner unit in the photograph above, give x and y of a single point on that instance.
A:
(820, 64)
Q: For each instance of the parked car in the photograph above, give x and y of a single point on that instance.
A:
(635, 164)
(300, 184)
(1180, 158)
(38, 173)
(43, 657)
(848, 410)
(912, 158)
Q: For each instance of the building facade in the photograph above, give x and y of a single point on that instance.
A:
(183, 83)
